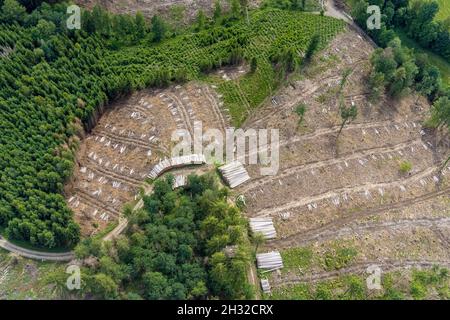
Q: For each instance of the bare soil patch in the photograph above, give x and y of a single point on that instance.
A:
(352, 192)
(161, 7)
(131, 137)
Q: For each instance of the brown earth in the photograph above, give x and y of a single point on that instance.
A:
(161, 7)
(351, 191)
(131, 137)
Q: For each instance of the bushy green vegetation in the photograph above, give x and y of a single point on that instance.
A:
(25, 279)
(348, 287)
(300, 110)
(441, 63)
(417, 284)
(414, 22)
(302, 259)
(296, 258)
(338, 258)
(405, 166)
(397, 70)
(299, 5)
(415, 17)
(175, 248)
(53, 81)
(423, 280)
(426, 68)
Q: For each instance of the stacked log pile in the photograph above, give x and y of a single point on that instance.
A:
(234, 174)
(269, 261)
(263, 226)
(265, 286)
(176, 162)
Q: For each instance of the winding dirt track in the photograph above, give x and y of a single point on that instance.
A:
(33, 254)
(66, 256)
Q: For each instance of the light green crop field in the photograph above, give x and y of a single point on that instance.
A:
(444, 9)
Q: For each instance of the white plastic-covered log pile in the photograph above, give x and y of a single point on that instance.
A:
(176, 162)
(234, 174)
(265, 285)
(269, 261)
(263, 226)
(180, 181)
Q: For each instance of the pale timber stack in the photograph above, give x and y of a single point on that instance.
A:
(234, 174)
(263, 226)
(180, 181)
(269, 261)
(176, 162)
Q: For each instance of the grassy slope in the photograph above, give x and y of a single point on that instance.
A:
(444, 9)
(402, 284)
(396, 285)
(438, 61)
(26, 279)
(277, 30)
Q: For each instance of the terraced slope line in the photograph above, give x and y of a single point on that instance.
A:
(94, 202)
(215, 108)
(280, 109)
(123, 221)
(431, 223)
(124, 140)
(184, 114)
(334, 129)
(318, 234)
(262, 180)
(141, 109)
(334, 192)
(93, 166)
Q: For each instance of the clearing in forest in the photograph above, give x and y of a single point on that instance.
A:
(131, 137)
(374, 196)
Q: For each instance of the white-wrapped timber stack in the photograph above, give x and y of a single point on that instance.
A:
(269, 261)
(263, 226)
(180, 181)
(265, 286)
(176, 162)
(234, 174)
